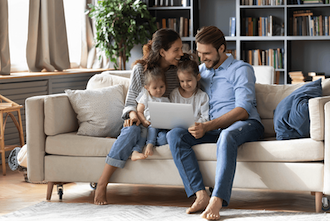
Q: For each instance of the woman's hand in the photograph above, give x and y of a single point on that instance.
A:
(133, 118)
(197, 130)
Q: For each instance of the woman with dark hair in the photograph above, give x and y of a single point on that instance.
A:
(164, 51)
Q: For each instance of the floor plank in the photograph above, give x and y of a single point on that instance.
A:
(16, 194)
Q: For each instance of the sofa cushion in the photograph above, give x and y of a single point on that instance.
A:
(269, 96)
(305, 149)
(98, 111)
(291, 116)
(59, 115)
(106, 79)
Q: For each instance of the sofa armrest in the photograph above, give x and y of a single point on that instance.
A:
(326, 186)
(35, 137)
(316, 113)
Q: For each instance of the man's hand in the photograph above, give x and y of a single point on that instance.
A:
(197, 130)
(133, 118)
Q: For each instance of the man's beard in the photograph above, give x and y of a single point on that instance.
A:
(215, 62)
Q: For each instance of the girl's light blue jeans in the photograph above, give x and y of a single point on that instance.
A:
(227, 140)
(128, 141)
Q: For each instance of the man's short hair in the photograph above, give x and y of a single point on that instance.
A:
(211, 35)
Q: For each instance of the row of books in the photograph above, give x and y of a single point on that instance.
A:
(261, 26)
(298, 76)
(300, 2)
(182, 25)
(261, 2)
(304, 23)
(165, 3)
(269, 57)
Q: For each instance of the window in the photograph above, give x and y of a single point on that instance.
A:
(18, 19)
(74, 13)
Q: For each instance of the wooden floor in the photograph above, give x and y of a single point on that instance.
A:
(16, 194)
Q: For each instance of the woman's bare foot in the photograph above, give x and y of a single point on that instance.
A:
(100, 197)
(212, 211)
(100, 194)
(201, 201)
(137, 156)
(149, 150)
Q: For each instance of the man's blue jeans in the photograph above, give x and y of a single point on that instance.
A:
(228, 140)
(129, 140)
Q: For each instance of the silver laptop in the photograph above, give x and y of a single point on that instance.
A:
(170, 115)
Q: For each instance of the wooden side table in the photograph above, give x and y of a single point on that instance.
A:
(7, 107)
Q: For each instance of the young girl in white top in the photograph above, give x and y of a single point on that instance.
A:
(189, 92)
(153, 91)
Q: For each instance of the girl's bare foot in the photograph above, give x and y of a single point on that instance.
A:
(137, 156)
(149, 150)
(201, 201)
(212, 211)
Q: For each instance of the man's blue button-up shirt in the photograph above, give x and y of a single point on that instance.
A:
(230, 85)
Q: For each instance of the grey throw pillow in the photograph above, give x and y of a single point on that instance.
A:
(98, 111)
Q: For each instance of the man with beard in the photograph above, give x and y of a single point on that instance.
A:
(234, 120)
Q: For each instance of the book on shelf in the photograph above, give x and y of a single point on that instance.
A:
(232, 26)
(182, 25)
(185, 27)
(269, 57)
(304, 23)
(312, 1)
(296, 77)
(326, 25)
(261, 26)
(261, 2)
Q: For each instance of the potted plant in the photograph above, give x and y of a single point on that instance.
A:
(120, 25)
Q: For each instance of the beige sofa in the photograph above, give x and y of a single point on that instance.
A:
(57, 154)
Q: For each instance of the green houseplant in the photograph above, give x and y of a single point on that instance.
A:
(120, 25)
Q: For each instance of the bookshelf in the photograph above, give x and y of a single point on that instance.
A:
(299, 53)
(181, 15)
(296, 53)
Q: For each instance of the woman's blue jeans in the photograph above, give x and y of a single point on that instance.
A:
(228, 140)
(128, 141)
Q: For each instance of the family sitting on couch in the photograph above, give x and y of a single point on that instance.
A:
(233, 118)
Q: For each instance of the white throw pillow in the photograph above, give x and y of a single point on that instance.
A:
(98, 111)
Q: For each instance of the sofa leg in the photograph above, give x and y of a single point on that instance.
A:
(49, 190)
(318, 201)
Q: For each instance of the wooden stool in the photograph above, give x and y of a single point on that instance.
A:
(6, 109)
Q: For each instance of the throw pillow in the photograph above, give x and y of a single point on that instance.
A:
(291, 116)
(98, 111)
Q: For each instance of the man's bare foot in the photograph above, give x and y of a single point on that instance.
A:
(149, 150)
(201, 201)
(137, 156)
(212, 211)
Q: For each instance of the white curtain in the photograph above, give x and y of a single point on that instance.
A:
(89, 53)
(4, 41)
(47, 46)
